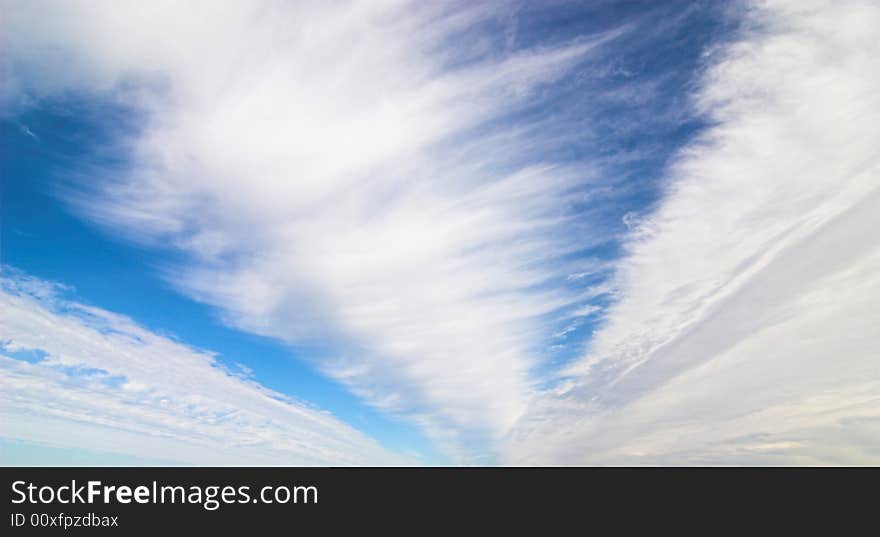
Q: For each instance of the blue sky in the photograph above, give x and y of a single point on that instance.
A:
(456, 233)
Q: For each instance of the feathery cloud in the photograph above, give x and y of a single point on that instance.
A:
(745, 329)
(340, 172)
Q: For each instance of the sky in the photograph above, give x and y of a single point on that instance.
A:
(440, 233)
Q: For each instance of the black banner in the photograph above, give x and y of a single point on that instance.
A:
(545, 501)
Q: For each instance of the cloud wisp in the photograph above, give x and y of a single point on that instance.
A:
(745, 329)
(347, 176)
(76, 376)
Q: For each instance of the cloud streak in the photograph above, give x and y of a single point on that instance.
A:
(745, 325)
(346, 176)
(78, 376)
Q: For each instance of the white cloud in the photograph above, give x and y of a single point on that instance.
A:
(341, 173)
(332, 171)
(105, 384)
(746, 329)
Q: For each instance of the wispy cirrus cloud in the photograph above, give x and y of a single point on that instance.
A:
(76, 376)
(344, 173)
(745, 329)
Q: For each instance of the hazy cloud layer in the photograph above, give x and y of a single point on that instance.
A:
(745, 329)
(80, 377)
